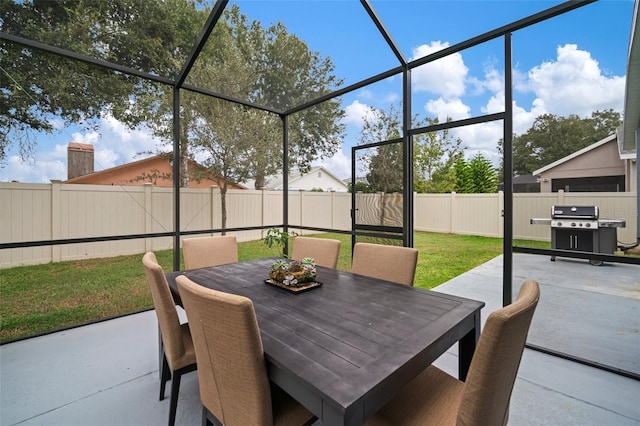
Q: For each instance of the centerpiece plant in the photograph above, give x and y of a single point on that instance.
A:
(289, 273)
(293, 273)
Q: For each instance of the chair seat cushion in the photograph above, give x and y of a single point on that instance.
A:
(432, 398)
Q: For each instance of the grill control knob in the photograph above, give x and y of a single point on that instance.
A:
(573, 224)
(588, 225)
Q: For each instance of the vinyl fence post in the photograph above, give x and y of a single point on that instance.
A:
(56, 186)
(500, 214)
(452, 215)
(148, 215)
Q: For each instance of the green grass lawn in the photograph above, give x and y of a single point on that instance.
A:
(40, 298)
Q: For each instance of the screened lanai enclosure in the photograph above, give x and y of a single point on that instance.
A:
(231, 94)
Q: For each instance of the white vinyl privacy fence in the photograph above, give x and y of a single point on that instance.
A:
(38, 212)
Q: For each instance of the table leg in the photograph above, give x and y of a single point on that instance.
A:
(467, 346)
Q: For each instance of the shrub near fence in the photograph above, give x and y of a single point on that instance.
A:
(36, 212)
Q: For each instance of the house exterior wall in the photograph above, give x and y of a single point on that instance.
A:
(631, 175)
(601, 161)
(317, 179)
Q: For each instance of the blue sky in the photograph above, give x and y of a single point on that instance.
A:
(571, 64)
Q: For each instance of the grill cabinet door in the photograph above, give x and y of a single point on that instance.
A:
(574, 239)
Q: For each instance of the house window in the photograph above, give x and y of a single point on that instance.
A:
(319, 174)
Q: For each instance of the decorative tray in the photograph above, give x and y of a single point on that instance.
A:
(294, 289)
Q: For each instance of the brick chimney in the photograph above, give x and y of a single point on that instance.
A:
(79, 159)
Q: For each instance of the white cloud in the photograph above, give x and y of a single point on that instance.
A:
(59, 152)
(123, 145)
(443, 109)
(89, 137)
(483, 136)
(38, 171)
(493, 80)
(444, 77)
(339, 164)
(356, 112)
(114, 144)
(574, 84)
(105, 158)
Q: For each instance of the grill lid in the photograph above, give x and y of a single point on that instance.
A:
(574, 212)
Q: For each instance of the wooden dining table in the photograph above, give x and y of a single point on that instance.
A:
(345, 348)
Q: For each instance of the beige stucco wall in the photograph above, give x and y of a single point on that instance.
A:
(631, 178)
(318, 179)
(601, 161)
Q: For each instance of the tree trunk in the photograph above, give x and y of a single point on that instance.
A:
(259, 183)
(223, 206)
(184, 158)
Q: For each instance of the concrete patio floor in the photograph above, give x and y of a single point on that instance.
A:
(107, 373)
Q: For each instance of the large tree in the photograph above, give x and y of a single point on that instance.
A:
(384, 163)
(151, 36)
(435, 154)
(241, 59)
(268, 67)
(286, 74)
(553, 137)
(475, 176)
(156, 37)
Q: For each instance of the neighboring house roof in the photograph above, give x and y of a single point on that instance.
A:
(362, 179)
(524, 179)
(156, 170)
(522, 182)
(307, 181)
(625, 154)
(575, 154)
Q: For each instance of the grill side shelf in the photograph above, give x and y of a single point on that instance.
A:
(612, 223)
(540, 221)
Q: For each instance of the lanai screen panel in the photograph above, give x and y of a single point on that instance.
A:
(130, 33)
(281, 64)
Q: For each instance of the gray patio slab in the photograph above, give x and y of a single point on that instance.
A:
(107, 373)
(585, 311)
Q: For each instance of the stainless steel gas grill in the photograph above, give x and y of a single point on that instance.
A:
(579, 228)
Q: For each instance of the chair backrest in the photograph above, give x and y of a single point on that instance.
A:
(391, 263)
(209, 251)
(232, 373)
(168, 319)
(495, 363)
(324, 251)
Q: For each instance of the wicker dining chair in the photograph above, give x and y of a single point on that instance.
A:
(232, 372)
(436, 398)
(202, 252)
(390, 263)
(178, 354)
(324, 251)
